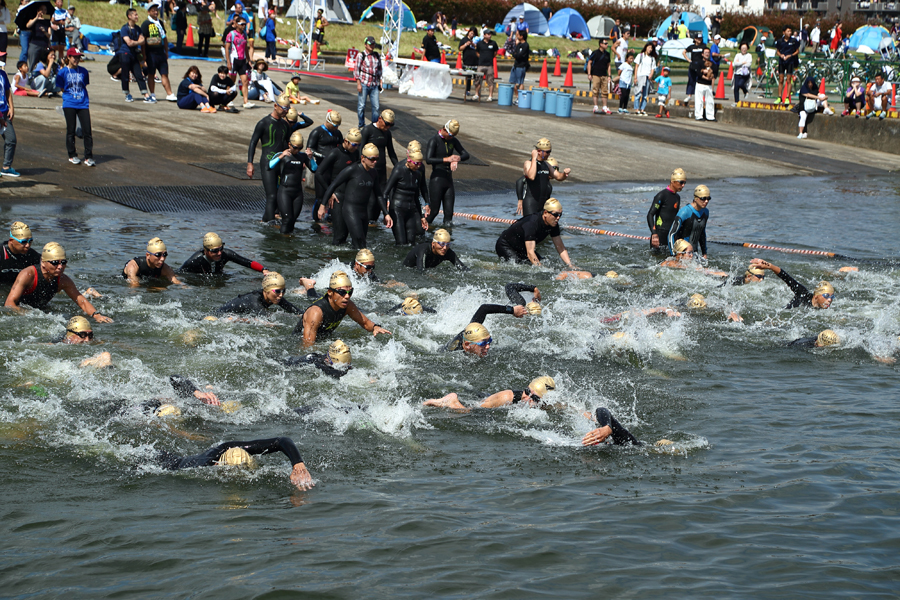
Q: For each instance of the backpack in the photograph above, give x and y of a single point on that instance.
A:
(116, 41)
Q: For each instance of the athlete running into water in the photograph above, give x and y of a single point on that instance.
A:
(211, 260)
(272, 131)
(690, 222)
(17, 254)
(444, 153)
(379, 134)
(664, 209)
(538, 173)
(403, 189)
(290, 193)
(518, 243)
(335, 161)
(352, 190)
(258, 302)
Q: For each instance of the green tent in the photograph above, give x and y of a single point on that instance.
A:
(752, 34)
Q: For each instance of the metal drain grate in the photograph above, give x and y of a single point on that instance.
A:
(236, 170)
(179, 199)
(482, 186)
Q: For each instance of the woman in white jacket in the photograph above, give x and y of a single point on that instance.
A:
(644, 68)
(742, 63)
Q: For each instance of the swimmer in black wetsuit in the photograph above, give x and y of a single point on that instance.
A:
(411, 306)
(753, 274)
(78, 331)
(825, 338)
(821, 297)
(326, 137)
(297, 121)
(532, 396)
(690, 222)
(443, 153)
(514, 293)
(331, 166)
(239, 453)
(17, 253)
(352, 190)
(402, 191)
(258, 302)
(323, 317)
(290, 192)
(36, 286)
(379, 134)
(475, 338)
(538, 172)
(338, 354)
(273, 131)
(610, 427)
(519, 241)
(363, 266)
(684, 259)
(151, 266)
(214, 256)
(664, 209)
(428, 255)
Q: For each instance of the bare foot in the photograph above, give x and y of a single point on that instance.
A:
(91, 293)
(451, 400)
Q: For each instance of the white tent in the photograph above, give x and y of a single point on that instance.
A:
(600, 27)
(335, 10)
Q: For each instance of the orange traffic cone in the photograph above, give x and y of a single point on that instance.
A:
(443, 58)
(495, 67)
(720, 90)
(556, 70)
(568, 82)
(730, 71)
(544, 82)
(190, 37)
(314, 55)
(785, 98)
(459, 61)
(822, 86)
(894, 95)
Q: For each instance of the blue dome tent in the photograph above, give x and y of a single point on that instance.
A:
(537, 24)
(408, 22)
(568, 23)
(693, 21)
(870, 36)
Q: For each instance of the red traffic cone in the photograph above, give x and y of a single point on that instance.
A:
(785, 98)
(730, 71)
(459, 61)
(894, 95)
(822, 86)
(720, 90)
(556, 70)
(543, 82)
(568, 82)
(190, 37)
(443, 58)
(314, 55)
(495, 67)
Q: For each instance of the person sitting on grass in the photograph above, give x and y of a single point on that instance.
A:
(191, 94)
(20, 81)
(292, 91)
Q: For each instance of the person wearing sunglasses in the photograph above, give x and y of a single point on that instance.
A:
(271, 133)
(338, 159)
(690, 222)
(428, 255)
(684, 259)
(821, 297)
(351, 191)
(38, 284)
(518, 243)
(753, 274)
(324, 138)
(17, 253)
(403, 189)
(363, 268)
(150, 266)
(336, 363)
(475, 338)
(290, 193)
(825, 338)
(325, 314)
(538, 172)
(664, 209)
(444, 153)
(78, 331)
(411, 306)
(258, 302)
(532, 396)
(211, 260)
(379, 133)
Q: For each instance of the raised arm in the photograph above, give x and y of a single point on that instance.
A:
(513, 292)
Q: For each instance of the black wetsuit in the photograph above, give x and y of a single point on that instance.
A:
(144, 271)
(302, 123)
(331, 318)
(319, 361)
(358, 185)
(198, 263)
(480, 315)
(690, 225)
(323, 140)
(620, 435)
(384, 141)
(273, 134)
(521, 191)
(330, 167)
(802, 296)
(398, 308)
(254, 303)
(511, 243)
(537, 190)
(41, 290)
(403, 190)
(809, 342)
(421, 257)
(11, 264)
(290, 193)
(173, 462)
(440, 186)
(513, 292)
(662, 214)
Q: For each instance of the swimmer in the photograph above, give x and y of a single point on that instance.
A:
(336, 160)
(403, 189)
(444, 153)
(213, 257)
(428, 255)
(78, 331)
(336, 363)
(669, 312)
(150, 266)
(824, 339)
(684, 259)
(239, 454)
(518, 243)
(379, 134)
(185, 388)
(698, 302)
(538, 172)
(610, 427)
(475, 338)
(17, 253)
(531, 396)
(664, 209)
(411, 306)
(690, 222)
(514, 293)
(576, 274)
(364, 265)
(753, 274)
(294, 162)
(821, 297)
(259, 302)
(272, 131)
(349, 193)
(323, 317)
(36, 285)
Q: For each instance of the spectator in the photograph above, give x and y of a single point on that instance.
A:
(837, 35)
(545, 10)
(704, 91)
(715, 54)
(293, 92)
(616, 32)
(716, 24)
(191, 94)
(625, 78)
(598, 71)
(487, 50)
(128, 53)
(430, 46)
(788, 50)
(20, 81)
(645, 69)
(6, 125)
(39, 38)
(268, 30)
(469, 51)
(156, 53)
(815, 37)
(319, 32)
(368, 82)
(741, 64)
(878, 96)
(683, 32)
(261, 87)
(205, 13)
(180, 25)
(237, 56)
(222, 90)
(24, 36)
(663, 89)
(854, 99)
(811, 102)
(5, 20)
(74, 79)
(73, 30)
(58, 29)
(43, 77)
(262, 13)
(439, 22)
(522, 25)
(803, 36)
(521, 54)
(621, 47)
(693, 54)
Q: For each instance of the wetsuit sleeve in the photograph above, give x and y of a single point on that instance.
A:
(207, 459)
(676, 225)
(304, 122)
(329, 370)
(325, 167)
(702, 236)
(809, 342)
(285, 445)
(313, 141)
(620, 435)
(391, 184)
(490, 309)
(423, 188)
(184, 387)
(451, 255)
(342, 178)
(304, 359)
(421, 249)
(390, 148)
(520, 188)
(378, 190)
(653, 214)
(312, 294)
(274, 161)
(513, 292)
(463, 155)
(365, 136)
(254, 140)
(801, 294)
(431, 153)
(193, 264)
(288, 307)
(234, 257)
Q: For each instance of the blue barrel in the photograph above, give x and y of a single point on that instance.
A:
(525, 99)
(550, 103)
(537, 99)
(564, 105)
(505, 94)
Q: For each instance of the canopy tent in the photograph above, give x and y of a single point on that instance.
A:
(752, 34)
(675, 48)
(876, 38)
(600, 27)
(694, 24)
(98, 36)
(408, 21)
(537, 24)
(335, 10)
(568, 23)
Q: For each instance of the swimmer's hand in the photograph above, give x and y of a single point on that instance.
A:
(102, 360)
(661, 443)
(307, 283)
(519, 208)
(301, 478)
(654, 240)
(388, 221)
(537, 295)
(377, 329)
(102, 318)
(596, 436)
(735, 317)
(91, 293)
(424, 223)
(519, 311)
(207, 398)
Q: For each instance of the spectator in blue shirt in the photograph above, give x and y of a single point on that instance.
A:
(73, 80)
(271, 36)
(6, 124)
(664, 86)
(715, 54)
(43, 76)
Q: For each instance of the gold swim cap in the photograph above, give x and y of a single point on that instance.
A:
(696, 301)
(620, 335)
(236, 457)
(387, 115)
(370, 150)
(78, 325)
(553, 162)
(678, 175)
(475, 332)
(297, 139)
(543, 144)
(364, 255)
(283, 101)
(210, 318)
(542, 385)
(212, 240)
(823, 288)
(272, 281)
(755, 270)
(552, 205)
(681, 246)
(827, 338)
(53, 251)
(20, 231)
(701, 191)
(452, 126)
(441, 235)
(411, 306)
(534, 308)
(292, 115)
(192, 337)
(167, 410)
(333, 117)
(413, 144)
(354, 135)
(415, 154)
(231, 406)
(611, 274)
(339, 352)
(156, 245)
(339, 279)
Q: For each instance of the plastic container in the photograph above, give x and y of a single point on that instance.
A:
(564, 105)
(537, 99)
(550, 103)
(504, 94)
(525, 99)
